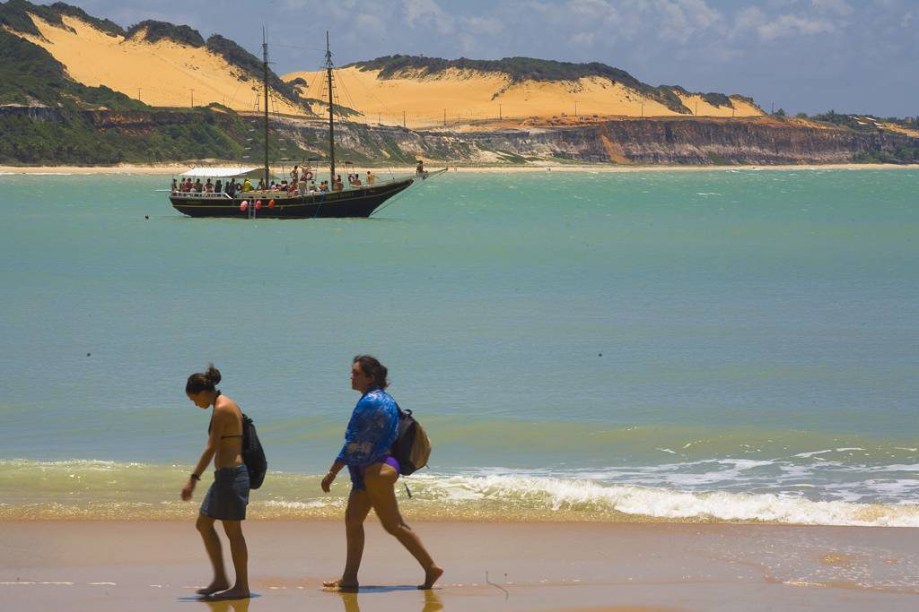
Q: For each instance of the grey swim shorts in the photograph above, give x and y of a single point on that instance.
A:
(228, 496)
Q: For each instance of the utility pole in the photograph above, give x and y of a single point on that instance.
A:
(192, 98)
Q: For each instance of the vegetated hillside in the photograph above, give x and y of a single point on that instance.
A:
(160, 58)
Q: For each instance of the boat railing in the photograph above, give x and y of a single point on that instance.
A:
(283, 194)
(199, 194)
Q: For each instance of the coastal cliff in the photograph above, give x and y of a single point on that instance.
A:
(160, 135)
(695, 142)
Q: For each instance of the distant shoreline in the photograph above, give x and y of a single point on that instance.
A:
(176, 169)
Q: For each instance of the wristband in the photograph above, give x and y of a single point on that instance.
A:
(195, 476)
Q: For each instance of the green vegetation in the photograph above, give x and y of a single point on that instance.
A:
(47, 137)
(511, 158)
(160, 30)
(717, 100)
(15, 15)
(251, 66)
(109, 27)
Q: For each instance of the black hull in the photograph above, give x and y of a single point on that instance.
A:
(350, 203)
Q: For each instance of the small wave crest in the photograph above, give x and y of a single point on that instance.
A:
(594, 500)
(693, 491)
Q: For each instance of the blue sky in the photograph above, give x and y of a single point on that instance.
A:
(854, 56)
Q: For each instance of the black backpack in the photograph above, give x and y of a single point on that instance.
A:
(412, 446)
(253, 454)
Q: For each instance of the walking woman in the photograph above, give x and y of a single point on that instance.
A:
(370, 434)
(228, 496)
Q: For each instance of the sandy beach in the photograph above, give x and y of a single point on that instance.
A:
(489, 566)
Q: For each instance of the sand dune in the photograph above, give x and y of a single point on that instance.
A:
(164, 73)
(464, 95)
(169, 74)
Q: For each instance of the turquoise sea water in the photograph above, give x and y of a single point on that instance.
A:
(724, 345)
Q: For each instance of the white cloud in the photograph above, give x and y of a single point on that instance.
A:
(839, 7)
(769, 28)
(582, 39)
(787, 26)
(427, 13)
(481, 25)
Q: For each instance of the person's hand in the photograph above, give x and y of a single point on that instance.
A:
(327, 482)
(188, 489)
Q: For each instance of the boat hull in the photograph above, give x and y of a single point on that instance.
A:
(350, 203)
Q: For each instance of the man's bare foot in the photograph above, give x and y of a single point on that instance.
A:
(234, 593)
(338, 585)
(214, 587)
(431, 576)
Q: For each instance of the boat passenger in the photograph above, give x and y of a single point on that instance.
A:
(198, 186)
(371, 178)
(247, 185)
(218, 187)
(294, 174)
(209, 186)
(337, 185)
(175, 186)
(261, 185)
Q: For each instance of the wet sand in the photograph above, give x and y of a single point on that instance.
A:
(139, 566)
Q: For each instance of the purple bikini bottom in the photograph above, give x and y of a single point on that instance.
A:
(357, 471)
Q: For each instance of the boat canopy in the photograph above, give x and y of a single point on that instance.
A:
(230, 172)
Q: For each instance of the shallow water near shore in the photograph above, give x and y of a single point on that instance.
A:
(726, 345)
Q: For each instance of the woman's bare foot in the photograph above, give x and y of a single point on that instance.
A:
(234, 593)
(338, 585)
(214, 587)
(431, 576)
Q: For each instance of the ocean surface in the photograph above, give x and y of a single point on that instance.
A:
(728, 345)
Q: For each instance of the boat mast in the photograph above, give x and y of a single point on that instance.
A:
(265, 75)
(328, 68)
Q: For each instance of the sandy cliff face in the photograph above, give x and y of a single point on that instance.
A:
(637, 141)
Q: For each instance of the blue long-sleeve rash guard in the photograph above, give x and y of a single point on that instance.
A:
(371, 431)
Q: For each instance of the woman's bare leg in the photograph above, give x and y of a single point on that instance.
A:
(381, 479)
(357, 511)
(240, 553)
(205, 526)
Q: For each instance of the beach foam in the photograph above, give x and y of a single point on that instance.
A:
(97, 490)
